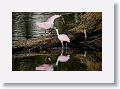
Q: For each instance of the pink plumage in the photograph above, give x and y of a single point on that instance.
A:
(52, 18)
(44, 25)
(47, 24)
(45, 67)
(63, 37)
(63, 58)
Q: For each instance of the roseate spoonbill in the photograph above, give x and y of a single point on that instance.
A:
(62, 38)
(62, 58)
(49, 24)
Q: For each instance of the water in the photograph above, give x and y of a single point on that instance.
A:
(56, 59)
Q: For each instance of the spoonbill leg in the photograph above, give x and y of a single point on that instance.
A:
(62, 44)
(66, 45)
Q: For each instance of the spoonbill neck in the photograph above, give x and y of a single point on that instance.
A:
(57, 32)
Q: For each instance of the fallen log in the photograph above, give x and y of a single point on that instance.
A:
(41, 42)
(44, 42)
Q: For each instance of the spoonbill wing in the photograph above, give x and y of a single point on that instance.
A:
(64, 37)
(44, 25)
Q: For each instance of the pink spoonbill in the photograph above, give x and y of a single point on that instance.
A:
(62, 38)
(49, 24)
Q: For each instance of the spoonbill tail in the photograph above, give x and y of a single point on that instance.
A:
(62, 38)
(62, 58)
(49, 24)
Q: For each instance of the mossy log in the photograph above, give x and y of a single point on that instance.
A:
(52, 41)
(41, 42)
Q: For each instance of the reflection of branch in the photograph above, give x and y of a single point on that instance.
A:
(41, 42)
(92, 47)
(96, 42)
(93, 40)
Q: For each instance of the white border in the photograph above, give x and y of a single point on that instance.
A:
(104, 6)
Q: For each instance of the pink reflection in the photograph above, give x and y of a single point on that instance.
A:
(45, 67)
(62, 58)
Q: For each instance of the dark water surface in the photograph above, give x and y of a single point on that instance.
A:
(57, 59)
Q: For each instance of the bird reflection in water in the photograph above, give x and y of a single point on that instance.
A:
(45, 67)
(50, 67)
(63, 57)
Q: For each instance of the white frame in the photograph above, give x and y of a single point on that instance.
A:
(104, 76)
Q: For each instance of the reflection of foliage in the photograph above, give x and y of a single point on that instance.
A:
(77, 61)
(94, 56)
(72, 66)
(94, 61)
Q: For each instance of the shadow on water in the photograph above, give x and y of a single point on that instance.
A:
(58, 59)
